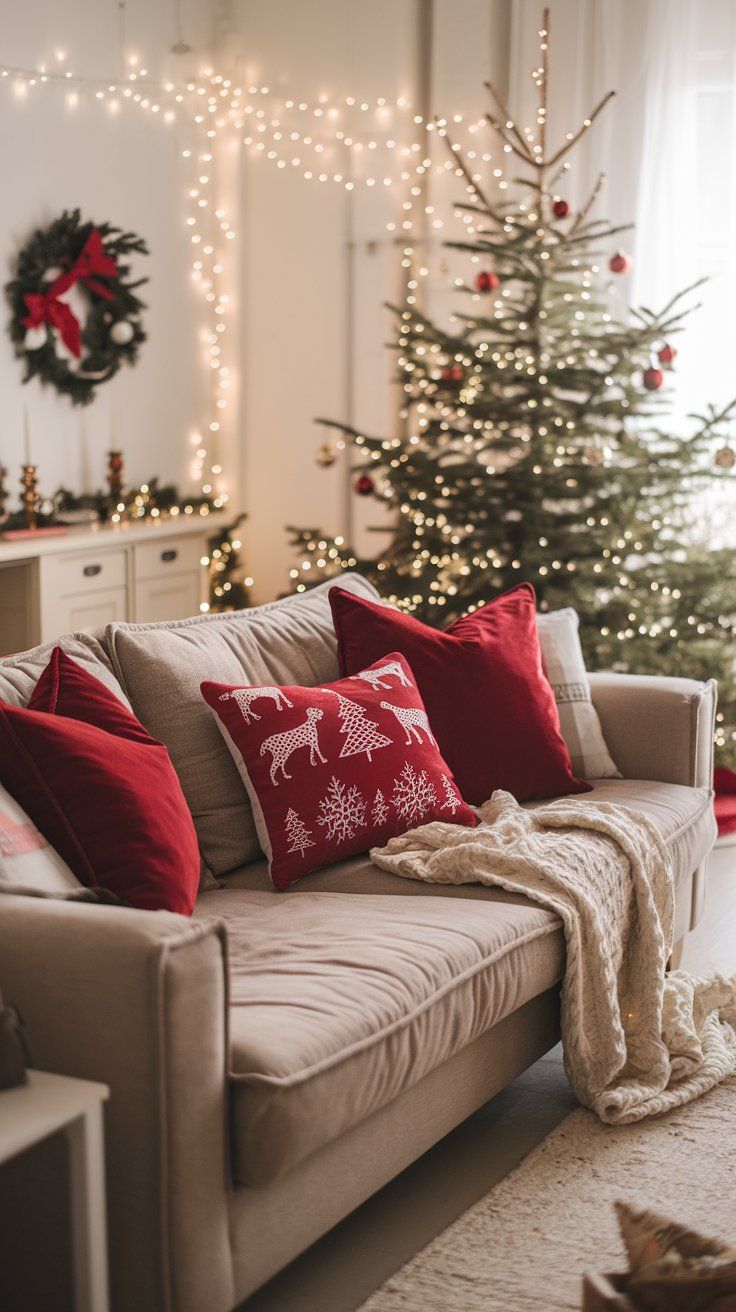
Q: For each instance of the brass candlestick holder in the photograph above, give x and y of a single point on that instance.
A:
(115, 474)
(29, 496)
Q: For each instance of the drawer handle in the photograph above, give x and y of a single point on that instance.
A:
(89, 571)
(171, 554)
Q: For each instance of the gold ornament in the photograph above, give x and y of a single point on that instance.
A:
(115, 474)
(326, 455)
(725, 458)
(30, 497)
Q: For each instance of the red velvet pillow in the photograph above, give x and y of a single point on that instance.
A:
(489, 701)
(334, 770)
(100, 789)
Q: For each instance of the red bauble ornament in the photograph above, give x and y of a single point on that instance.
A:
(620, 262)
(652, 378)
(560, 209)
(364, 485)
(453, 373)
(666, 354)
(487, 282)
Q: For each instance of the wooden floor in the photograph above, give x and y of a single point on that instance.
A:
(338, 1273)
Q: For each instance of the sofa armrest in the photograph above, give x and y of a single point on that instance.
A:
(138, 1001)
(656, 727)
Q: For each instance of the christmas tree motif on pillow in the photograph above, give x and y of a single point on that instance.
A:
(413, 794)
(376, 676)
(412, 720)
(379, 813)
(297, 833)
(244, 696)
(342, 810)
(361, 734)
(283, 745)
(453, 801)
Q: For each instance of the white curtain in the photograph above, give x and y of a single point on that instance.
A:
(686, 211)
(667, 144)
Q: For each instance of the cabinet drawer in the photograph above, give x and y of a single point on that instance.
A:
(156, 560)
(89, 571)
(169, 597)
(87, 613)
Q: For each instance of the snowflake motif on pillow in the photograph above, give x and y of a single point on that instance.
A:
(414, 795)
(342, 810)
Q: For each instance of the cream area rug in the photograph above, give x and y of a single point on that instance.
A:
(526, 1245)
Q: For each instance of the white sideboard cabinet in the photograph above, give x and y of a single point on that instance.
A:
(86, 578)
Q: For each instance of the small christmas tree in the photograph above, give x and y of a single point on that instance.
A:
(533, 445)
(229, 589)
(361, 734)
(452, 801)
(297, 833)
(379, 812)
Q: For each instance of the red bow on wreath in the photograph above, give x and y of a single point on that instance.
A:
(45, 307)
(91, 260)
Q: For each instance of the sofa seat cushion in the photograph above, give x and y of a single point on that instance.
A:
(683, 815)
(339, 1003)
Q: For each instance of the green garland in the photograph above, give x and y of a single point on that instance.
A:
(57, 248)
(228, 588)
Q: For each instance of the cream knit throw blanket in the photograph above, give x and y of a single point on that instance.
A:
(636, 1040)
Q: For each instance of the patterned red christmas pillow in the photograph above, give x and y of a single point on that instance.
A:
(334, 770)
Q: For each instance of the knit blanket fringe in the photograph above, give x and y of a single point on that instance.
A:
(637, 1041)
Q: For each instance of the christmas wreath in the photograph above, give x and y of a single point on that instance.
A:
(75, 315)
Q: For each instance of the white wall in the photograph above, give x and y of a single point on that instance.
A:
(308, 276)
(124, 169)
(318, 264)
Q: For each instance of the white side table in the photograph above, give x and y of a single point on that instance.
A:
(35, 1111)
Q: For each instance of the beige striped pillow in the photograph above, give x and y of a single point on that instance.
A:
(565, 666)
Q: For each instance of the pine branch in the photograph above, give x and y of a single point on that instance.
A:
(587, 207)
(523, 148)
(460, 162)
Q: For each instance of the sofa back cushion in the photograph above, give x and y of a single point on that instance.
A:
(161, 667)
(20, 674)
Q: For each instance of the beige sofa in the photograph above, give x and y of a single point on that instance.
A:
(278, 1058)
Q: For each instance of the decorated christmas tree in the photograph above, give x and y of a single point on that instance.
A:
(534, 443)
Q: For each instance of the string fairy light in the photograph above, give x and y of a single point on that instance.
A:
(388, 144)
